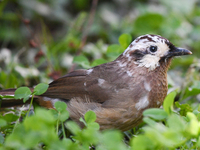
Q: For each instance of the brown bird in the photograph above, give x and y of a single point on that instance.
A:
(118, 91)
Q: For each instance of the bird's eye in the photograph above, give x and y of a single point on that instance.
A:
(153, 49)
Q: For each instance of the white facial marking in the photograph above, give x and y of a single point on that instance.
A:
(162, 49)
(100, 81)
(89, 71)
(143, 102)
(85, 84)
(143, 43)
(147, 86)
(149, 61)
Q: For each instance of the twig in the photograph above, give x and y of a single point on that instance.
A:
(85, 33)
(90, 21)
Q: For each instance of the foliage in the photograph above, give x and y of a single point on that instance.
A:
(166, 128)
(42, 40)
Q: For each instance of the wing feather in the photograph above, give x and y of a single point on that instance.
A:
(68, 86)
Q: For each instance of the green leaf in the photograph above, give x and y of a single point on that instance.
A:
(23, 92)
(60, 106)
(2, 122)
(1, 138)
(149, 121)
(155, 113)
(90, 116)
(114, 50)
(193, 90)
(148, 23)
(9, 80)
(112, 140)
(168, 102)
(142, 142)
(82, 60)
(193, 126)
(64, 144)
(176, 122)
(184, 108)
(38, 128)
(97, 62)
(44, 115)
(40, 88)
(93, 125)
(83, 121)
(198, 142)
(54, 113)
(25, 99)
(64, 115)
(191, 116)
(73, 127)
(10, 117)
(125, 40)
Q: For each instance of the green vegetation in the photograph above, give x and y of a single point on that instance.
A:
(43, 40)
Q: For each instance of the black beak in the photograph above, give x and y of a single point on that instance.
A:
(176, 51)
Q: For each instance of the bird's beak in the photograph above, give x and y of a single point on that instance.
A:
(177, 51)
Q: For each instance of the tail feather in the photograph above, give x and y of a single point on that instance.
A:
(5, 103)
(10, 102)
(7, 92)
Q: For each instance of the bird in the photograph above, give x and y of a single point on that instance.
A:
(118, 91)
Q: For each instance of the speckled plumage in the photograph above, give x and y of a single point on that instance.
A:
(119, 91)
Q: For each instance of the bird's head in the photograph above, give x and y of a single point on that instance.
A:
(150, 50)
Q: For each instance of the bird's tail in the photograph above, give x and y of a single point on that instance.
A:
(11, 102)
(7, 92)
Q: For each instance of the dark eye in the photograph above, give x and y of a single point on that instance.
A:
(153, 49)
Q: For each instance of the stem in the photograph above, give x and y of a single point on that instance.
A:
(30, 106)
(63, 130)
(57, 126)
(17, 122)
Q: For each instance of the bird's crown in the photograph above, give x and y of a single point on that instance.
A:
(148, 50)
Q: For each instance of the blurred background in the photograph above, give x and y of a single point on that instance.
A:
(41, 40)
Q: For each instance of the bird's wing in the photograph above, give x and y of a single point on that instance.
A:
(106, 83)
(109, 83)
(68, 86)
(113, 85)
(97, 84)
(103, 81)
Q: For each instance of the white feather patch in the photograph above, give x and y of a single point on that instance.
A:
(89, 71)
(143, 103)
(100, 81)
(147, 86)
(122, 64)
(129, 73)
(158, 102)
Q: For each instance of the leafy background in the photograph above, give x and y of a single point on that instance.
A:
(42, 40)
